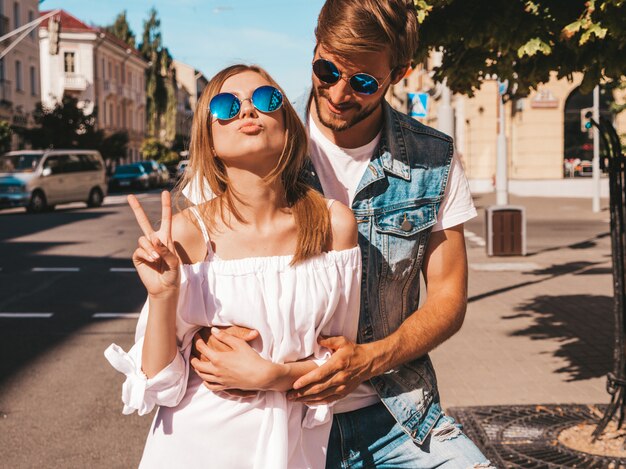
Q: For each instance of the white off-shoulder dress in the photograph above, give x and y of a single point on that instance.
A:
(290, 306)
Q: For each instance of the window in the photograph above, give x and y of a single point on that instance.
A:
(18, 76)
(117, 73)
(2, 75)
(110, 74)
(33, 81)
(69, 61)
(104, 75)
(16, 15)
(31, 17)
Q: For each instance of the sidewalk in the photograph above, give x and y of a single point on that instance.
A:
(539, 328)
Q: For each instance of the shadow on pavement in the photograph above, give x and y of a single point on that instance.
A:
(582, 324)
(556, 270)
(581, 245)
(15, 225)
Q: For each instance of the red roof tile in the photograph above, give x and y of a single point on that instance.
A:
(70, 23)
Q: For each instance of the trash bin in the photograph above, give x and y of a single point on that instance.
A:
(506, 230)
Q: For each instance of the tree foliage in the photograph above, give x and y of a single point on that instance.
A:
(5, 135)
(153, 149)
(121, 29)
(67, 126)
(523, 41)
(160, 81)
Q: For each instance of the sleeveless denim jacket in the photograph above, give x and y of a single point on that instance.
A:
(396, 205)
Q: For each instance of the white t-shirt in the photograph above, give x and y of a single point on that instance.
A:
(340, 170)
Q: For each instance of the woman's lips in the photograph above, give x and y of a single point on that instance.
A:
(250, 129)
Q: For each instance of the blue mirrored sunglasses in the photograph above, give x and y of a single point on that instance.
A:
(362, 83)
(226, 106)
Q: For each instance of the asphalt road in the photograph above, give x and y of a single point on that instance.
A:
(60, 401)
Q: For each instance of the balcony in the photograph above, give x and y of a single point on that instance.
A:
(74, 82)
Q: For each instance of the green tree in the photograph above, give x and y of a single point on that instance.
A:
(115, 146)
(64, 126)
(523, 41)
(154, 149)
(160, 82)
(121, 29)
(5, 136)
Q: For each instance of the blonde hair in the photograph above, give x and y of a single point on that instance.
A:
(346, 27)
(307, 205)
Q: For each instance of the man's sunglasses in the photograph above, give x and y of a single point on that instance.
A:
(226, 106)
(362, 83)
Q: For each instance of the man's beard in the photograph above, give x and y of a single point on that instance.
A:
(362, 114)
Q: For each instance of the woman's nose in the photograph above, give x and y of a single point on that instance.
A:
(247, 109)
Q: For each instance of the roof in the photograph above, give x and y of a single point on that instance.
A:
(70, 23)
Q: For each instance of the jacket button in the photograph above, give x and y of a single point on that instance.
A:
(406, 225)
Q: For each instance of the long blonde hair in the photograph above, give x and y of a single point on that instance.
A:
(307, 205)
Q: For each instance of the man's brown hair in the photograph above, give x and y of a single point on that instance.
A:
(346, 27)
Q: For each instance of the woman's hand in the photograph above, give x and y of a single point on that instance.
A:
(155, 258)
(240, 368)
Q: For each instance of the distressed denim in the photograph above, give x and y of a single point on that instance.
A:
(396, 206)
(371, 438)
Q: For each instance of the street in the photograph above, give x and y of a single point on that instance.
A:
(65, 273)
(59, 399)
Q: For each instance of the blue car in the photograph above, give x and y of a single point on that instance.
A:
(129, 176)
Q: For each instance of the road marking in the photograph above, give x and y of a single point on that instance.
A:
(25, 315)
(115, 315)
(122, 269)
(55, 269)
(473, 237)
(506, 267)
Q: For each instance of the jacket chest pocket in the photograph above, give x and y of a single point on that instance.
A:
(401, 235)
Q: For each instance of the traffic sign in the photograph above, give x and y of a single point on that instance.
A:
(418, 104)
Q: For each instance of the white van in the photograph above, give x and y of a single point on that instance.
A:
(41, 179)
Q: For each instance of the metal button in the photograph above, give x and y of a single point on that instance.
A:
(406, 225)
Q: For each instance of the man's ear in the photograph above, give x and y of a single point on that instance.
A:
(400, 72)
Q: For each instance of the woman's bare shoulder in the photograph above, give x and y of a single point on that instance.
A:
(344, 227)
(188, 238)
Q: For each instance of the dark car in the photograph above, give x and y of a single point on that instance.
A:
(129, 176)
(153, 171)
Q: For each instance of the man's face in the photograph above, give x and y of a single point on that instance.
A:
(338, 106)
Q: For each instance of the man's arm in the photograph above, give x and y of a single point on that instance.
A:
(440, 317)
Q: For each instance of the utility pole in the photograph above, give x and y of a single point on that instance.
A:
(595, 164)
(502, 182)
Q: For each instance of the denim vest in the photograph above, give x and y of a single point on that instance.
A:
(396, 205)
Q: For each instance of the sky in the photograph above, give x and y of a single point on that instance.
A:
(212, 34)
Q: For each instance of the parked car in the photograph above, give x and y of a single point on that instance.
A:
(153, 172)
(584, 169)
(180, 169)
(164, 175)
(129, 176)
(41, 179)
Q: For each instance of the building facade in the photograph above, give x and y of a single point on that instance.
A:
(19, 69)
(549, 151)
(103, 72)
(189, 85)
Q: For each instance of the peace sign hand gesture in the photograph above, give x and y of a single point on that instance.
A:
(155, 259)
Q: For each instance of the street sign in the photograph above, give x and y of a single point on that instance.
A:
(502, 87)
(418, 104)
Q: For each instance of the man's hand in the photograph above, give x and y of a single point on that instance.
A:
(345, 370)
(204, 342)
(240, 367)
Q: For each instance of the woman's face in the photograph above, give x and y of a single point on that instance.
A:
(252, 136)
